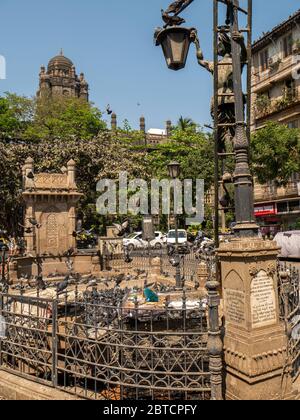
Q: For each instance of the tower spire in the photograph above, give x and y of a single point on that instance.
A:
(61, 52)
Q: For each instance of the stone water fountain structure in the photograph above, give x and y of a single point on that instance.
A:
(51, 200)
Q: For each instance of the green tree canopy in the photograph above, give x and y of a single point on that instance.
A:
(64, 118)
(96, 158)
(185, 124)
(192, 148)
(275, 153)
(48, 118)
(16, 113)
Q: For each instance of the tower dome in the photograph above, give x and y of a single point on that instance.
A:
(60, 79)
(61, 62)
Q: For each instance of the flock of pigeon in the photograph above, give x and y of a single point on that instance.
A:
(104, 284)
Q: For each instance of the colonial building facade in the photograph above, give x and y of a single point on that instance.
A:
(276, 97)
(153, 136)
(60, 79)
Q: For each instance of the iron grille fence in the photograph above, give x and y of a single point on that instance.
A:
(142, 260)
(99, 346)
(290, 312)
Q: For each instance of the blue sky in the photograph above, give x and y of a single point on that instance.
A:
(112, 42)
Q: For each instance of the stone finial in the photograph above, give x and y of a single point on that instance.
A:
(26, 170)
(71, 163)
(114, 121)
(29, 164)
(71, 173)
(29, 161)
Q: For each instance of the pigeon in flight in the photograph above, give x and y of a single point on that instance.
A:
(121, 228)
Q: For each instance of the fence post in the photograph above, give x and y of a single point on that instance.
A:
(54, 343)
(1, 340)
(214, 344)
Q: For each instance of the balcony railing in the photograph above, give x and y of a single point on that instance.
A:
(276, 66)
(265, 107)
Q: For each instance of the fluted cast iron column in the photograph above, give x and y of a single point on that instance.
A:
(243, 181)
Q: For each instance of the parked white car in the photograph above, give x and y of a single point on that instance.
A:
(182, 237)
(135, 241)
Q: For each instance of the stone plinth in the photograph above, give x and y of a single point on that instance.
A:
(255, 342)
(83, 264)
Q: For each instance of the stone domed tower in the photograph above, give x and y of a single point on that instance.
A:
(60, 79)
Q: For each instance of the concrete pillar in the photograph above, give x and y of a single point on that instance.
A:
(72, 226)
(30, 235)
(255, 343)
(155, 272)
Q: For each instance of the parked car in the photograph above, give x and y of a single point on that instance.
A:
(289, 242)
(136, 241)
(183, 243)
(182, 237)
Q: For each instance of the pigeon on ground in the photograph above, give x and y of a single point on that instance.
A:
(40, 284)
(63, 285)
(119, 279)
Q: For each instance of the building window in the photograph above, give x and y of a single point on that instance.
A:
(294, 206)
(287, 45)
(289, 91)
(293, 124)
(264, 60)
(282, 207)
(295, 177)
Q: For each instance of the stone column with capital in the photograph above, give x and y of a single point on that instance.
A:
(255, 343)
(168, 128)
(143, 130)
(28, 186)
(72, 226)
(72, 201)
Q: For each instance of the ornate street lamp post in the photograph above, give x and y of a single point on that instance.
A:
(247, 263)
(175, 43)
(229, 114)
(174, 173)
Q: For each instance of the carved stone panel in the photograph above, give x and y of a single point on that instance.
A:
(52, 231)
(235, 299)
(263, 301)
(53, 235)
(51, 181)
(235, 306)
